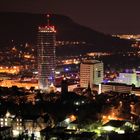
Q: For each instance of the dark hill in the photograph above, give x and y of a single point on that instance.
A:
(23, 27)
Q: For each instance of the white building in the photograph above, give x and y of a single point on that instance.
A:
(129, 78)
(91, 72)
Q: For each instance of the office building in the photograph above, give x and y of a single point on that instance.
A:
(91, 72)
(46, 55)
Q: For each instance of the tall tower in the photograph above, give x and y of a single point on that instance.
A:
(46, 41)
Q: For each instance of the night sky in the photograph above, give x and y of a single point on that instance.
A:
(108, 16)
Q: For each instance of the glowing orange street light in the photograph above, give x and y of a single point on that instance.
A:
(72, 117)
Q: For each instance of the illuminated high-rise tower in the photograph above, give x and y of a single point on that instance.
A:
(46, 55)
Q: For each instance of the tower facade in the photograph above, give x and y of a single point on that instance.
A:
(46, 56)
(91, 72)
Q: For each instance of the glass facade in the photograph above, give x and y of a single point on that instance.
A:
(46, 56)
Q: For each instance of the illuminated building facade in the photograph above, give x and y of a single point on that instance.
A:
(129, 77)
(91, 72)
(115, 87)
(46, 56)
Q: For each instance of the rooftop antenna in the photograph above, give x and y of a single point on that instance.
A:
(48, 19)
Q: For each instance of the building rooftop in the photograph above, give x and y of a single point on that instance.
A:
(47, 28)
(91, 62)
(115, 123)
(116, 84)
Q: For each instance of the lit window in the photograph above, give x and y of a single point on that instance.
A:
(1, 119)
(6, 120)
(5, 123)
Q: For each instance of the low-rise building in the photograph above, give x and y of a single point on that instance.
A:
(116, 87)
(25, 124)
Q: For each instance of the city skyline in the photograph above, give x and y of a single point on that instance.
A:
(108, 17)
(60, 79)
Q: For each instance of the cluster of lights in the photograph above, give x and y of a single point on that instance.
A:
(109, 117)
(98, 54)
(136, 37)
(50, 29)
(59, 43)
(71, 61)
(70, 119)
(26, 85)
(10, 70)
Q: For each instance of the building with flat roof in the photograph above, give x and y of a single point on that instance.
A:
(129, 77)
(116, 87)
(91, 72)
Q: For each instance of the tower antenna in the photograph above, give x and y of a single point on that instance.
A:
(48, 19)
